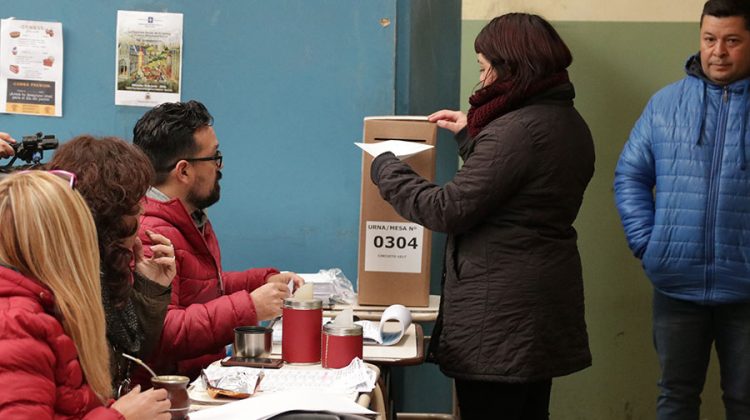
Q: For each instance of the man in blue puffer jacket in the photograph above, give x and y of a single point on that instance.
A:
(682, 186)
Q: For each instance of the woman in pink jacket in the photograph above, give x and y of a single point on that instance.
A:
(54, 361)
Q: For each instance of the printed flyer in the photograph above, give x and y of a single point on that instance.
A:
(148, 58)
(31, 67)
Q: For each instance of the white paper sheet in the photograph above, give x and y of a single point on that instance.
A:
(402, 149)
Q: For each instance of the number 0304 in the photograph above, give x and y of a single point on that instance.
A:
(394, 242)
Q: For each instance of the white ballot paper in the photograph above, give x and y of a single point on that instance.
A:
(373, 333)
(402, 149)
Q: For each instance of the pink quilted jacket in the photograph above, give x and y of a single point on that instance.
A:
(207, 303)
(40, 374)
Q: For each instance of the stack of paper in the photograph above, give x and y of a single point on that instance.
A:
(293, 388)
(322, 285)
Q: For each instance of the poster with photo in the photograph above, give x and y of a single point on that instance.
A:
(148, 61)
(31, 67)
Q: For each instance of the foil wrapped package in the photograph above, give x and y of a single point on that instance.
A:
(233, 383)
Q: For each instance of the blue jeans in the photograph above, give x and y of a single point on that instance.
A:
(683, 335)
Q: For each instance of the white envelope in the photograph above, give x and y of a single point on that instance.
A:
(402, 149)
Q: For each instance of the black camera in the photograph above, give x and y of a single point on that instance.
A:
(31, 148)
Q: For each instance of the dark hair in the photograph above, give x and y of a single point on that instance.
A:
(112, 175)
(727, 8)
(522, 48)
(165, 134)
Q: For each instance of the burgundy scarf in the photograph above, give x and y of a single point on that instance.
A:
(496, 99)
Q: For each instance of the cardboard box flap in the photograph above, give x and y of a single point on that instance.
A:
(398, 118)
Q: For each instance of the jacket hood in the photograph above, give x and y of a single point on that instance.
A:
(693, 68)
(15, 284)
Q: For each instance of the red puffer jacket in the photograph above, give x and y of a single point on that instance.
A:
(40, 373)
(207, 303)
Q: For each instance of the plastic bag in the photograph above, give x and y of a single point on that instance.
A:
(343, 290)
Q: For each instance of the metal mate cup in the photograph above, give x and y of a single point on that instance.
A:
(252, 341)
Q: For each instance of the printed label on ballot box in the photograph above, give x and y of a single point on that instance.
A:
(393, 247)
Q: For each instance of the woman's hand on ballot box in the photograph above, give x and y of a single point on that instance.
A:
(453, 121)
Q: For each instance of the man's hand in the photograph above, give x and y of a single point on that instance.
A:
(6, 150)
(285, 277)
(269, 299)
(160, 268)
(454, 121)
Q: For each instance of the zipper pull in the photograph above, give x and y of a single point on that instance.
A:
(726, 94)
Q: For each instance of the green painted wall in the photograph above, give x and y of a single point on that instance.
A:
(616, 68)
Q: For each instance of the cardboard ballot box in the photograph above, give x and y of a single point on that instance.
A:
(394, 254)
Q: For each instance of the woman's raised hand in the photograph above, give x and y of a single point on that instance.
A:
(454, 121)
(161, 267)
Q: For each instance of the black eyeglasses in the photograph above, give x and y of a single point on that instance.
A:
(218, 157)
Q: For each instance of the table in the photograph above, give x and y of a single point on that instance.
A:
(373, 313)
(407, 352)
(419, 314)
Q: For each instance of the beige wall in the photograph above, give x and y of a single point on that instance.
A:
(589, 10)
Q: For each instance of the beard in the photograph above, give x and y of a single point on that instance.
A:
(203, 202)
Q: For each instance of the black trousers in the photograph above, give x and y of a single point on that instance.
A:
(503, 401)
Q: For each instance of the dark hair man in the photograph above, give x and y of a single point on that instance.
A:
(207, 302)
(682, 186)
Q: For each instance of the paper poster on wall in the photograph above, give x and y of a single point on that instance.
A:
(148, 61)
(31, 67)
(393, 247)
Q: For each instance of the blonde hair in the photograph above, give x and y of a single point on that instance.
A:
(48, 234)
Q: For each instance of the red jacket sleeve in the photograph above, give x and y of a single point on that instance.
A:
(203, 328)
(247, 280)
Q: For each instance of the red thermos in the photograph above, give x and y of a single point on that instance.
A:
(341, 345)
(300, 336)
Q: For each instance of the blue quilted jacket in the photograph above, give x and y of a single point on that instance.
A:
(682, 187)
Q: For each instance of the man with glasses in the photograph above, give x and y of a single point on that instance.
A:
(207, 302)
